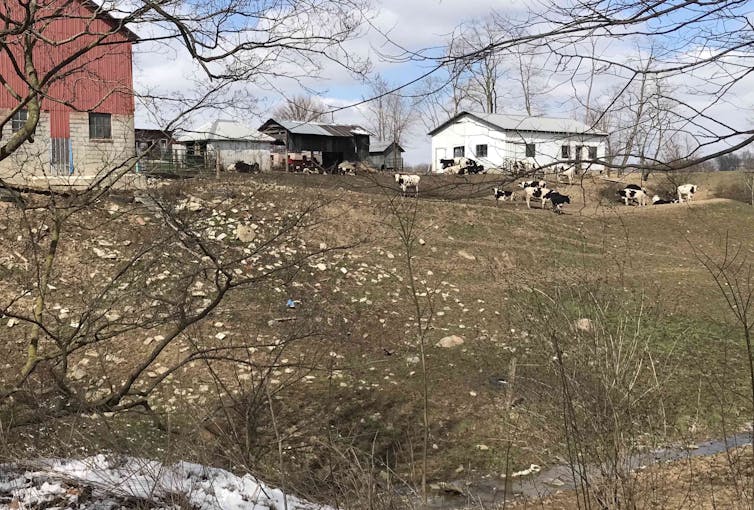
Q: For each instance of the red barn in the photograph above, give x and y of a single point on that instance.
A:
(80, 59)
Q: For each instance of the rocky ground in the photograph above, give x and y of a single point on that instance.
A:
(315, 357)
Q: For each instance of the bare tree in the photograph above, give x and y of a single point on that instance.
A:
(704, 77)
(485, 70)
(389, 115)
(302, 108)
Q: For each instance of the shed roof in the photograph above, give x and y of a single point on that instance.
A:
(223, 129)
(317, 128)
(507, 122)
(377, 146)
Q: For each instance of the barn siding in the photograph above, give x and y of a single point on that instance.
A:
(101, 81)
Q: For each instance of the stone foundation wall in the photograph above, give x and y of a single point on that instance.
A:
(90, 157)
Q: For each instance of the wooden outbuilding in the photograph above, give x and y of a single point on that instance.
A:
(328, 144)
(386, 155)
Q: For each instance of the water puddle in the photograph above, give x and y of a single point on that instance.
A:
(485, 492)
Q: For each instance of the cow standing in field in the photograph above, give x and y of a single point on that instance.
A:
(633, 193)
(536, 192)
(686, 191)
(501, 194)
(406, 181)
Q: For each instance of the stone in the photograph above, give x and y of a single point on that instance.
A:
(482, 447)
(466, 255)
(78, 373)
(245, 234)
(585, 325)
(321, 266)
(422, 241)
(450, 341)
(104, 254)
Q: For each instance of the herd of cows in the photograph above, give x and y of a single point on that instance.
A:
(538, 190)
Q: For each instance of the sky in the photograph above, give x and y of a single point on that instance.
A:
(157, 65)
(418, 25)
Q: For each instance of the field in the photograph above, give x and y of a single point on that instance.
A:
(598, 331)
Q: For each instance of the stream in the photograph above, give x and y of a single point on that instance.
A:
(462, 493)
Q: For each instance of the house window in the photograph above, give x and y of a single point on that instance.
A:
(99, 126)
(458, 152)
(163, 144)
(592, 153)
(18, 120)
(565, 151)
(531, 150)
(481, 151)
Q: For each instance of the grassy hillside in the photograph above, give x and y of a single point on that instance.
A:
(660, 361)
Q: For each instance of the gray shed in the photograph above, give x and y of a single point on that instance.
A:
(334, 142)
(385, 155)
(229, 140)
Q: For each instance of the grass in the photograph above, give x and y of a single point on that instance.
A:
(365, 390)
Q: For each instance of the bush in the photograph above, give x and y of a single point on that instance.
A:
(740, 190)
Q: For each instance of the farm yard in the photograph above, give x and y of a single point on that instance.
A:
(311, 375)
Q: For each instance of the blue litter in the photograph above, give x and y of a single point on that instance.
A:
(291, 304)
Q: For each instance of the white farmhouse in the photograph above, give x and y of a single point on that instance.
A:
(496, 140)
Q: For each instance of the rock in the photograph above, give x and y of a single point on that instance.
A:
(12, 322)
(585, 325)
(533, 469)
(322, 267)
(450, 341)
(78, 374)
(245, 234)
(422, 241)
(482, 447)
(466, 255)
(140, 221)
(412, 360)
(448, 488)
(191, 204)
(105, 254)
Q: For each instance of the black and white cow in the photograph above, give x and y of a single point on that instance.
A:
(538, 193)
(686, 191)
(633, 193)
(656, 200)
(406, 181)
(558, 201)
(532, 184)
(501, 194)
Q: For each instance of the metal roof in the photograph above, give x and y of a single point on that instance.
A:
(223, 129)
(506, 122)
(318, 128)
(381, 146)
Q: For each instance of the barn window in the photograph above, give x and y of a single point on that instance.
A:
(592, 152)
(458, 152)
(565, 151)
(100, 126)
(18, 120)
(481, 151)
(531, 150)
